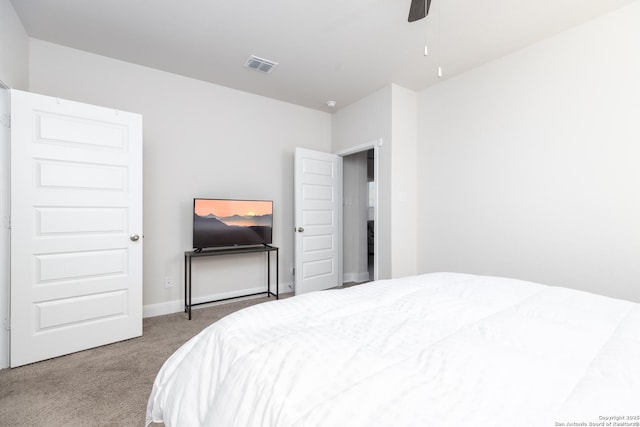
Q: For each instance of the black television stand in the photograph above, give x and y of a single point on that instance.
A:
(236, 250)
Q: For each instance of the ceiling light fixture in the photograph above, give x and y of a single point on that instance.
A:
(331, 104)
(418, 10)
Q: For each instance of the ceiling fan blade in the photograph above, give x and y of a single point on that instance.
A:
(418, 9)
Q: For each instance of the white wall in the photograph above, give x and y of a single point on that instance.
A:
(404, 210)
(529, 165)
(200, 140)
(14, 66)
(389, 116)
(363, 122)
(14, 49)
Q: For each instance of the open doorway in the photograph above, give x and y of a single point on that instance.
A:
(359, 211)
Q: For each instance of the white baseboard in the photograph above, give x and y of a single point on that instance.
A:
(177, 306)
(355, 277)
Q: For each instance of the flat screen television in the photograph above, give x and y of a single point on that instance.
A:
(225, 222)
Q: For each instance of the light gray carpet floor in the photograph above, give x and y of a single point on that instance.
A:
(104, 386)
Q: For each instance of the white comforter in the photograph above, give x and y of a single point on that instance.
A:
(437, 350)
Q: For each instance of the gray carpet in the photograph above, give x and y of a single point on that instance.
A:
(104, 386)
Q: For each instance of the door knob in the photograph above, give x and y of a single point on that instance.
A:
(300, 229)
(134, 237)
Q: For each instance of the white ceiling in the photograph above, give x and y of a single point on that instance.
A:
(338, 50)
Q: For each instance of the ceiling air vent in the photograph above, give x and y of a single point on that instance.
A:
(260, 64)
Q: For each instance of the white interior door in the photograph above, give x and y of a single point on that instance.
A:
(318, 220)
(76, 226)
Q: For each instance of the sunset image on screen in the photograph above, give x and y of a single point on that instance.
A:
(243, 213)
(227, 208)
(231, 222)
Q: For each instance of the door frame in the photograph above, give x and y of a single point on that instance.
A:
(375, 145)
(5, 210)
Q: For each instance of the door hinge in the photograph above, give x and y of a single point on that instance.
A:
(7, 324)
(6, 222)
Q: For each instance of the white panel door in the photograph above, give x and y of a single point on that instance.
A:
(76, 226)
(318, 220)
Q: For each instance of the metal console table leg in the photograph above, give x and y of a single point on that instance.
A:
(189, 255)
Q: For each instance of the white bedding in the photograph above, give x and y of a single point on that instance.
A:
(437, 350)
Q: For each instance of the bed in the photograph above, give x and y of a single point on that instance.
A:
(440, 349)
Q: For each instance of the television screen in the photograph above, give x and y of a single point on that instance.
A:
(223, 222)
